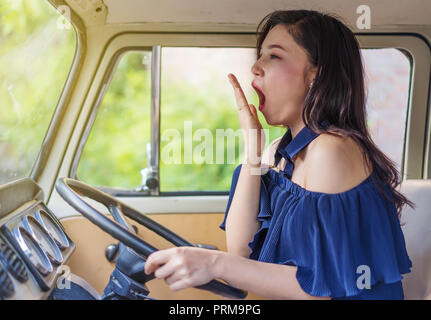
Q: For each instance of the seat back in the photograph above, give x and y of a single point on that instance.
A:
(416, 226)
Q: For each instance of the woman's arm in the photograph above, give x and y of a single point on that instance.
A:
(241, 221)
(185, 267)
(269, 280)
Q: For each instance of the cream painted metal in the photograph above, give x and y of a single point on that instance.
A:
(417, 230)
(384, 12)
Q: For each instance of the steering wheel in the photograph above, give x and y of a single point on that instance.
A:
(73, 191)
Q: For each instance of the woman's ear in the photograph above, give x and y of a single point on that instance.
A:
(311, 75)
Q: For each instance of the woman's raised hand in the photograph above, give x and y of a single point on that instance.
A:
(254, 137)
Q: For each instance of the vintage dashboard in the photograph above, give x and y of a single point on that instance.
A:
(34, 246)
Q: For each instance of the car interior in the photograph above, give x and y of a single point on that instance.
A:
(102, 99)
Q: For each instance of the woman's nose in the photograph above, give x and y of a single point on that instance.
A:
(256, 69)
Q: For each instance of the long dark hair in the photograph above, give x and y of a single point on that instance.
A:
(338, 91)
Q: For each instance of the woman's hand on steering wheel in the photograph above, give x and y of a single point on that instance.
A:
(184, 267)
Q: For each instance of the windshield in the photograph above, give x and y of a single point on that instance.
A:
(37, 46)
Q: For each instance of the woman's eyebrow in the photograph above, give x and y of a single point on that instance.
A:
(276, 46)
(271, 46)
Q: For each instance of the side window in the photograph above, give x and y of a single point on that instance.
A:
(387, 74)
(199, 130)
(37, 47)
(200, 136)
(200, 139)
(115, 151)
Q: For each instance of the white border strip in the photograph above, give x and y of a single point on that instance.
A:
(152, 205)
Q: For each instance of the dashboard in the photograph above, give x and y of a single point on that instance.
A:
(34, 246)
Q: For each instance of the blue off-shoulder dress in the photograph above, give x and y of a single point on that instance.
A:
(346, 245)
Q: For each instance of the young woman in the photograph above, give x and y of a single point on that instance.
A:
(323, 221)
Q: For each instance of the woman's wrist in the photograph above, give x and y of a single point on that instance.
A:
(252, 165)
(253, 169)
(218, 264)
(259, 169)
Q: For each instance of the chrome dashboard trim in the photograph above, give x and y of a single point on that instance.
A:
(44, 269)
(27, 220)
(64, 242)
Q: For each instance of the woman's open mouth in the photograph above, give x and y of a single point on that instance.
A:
(261, 96)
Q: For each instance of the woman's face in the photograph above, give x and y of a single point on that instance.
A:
(283, 74)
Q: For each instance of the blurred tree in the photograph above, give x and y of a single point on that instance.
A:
(35, 58)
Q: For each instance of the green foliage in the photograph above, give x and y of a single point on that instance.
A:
(35, 58)
(116, 149)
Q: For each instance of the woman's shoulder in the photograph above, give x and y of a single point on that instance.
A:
(334, 163)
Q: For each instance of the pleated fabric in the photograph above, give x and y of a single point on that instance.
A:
(336, 241)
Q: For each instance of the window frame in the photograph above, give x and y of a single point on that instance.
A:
(416, 145)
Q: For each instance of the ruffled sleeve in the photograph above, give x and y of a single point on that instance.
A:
(264, 203)
(337, 240)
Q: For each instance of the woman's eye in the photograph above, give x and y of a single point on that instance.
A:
(272, 56)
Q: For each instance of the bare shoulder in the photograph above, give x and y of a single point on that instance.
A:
(334, 163)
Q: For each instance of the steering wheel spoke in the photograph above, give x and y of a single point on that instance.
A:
(118, 216)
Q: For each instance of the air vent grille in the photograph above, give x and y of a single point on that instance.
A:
(6, 285)
(14, 263)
